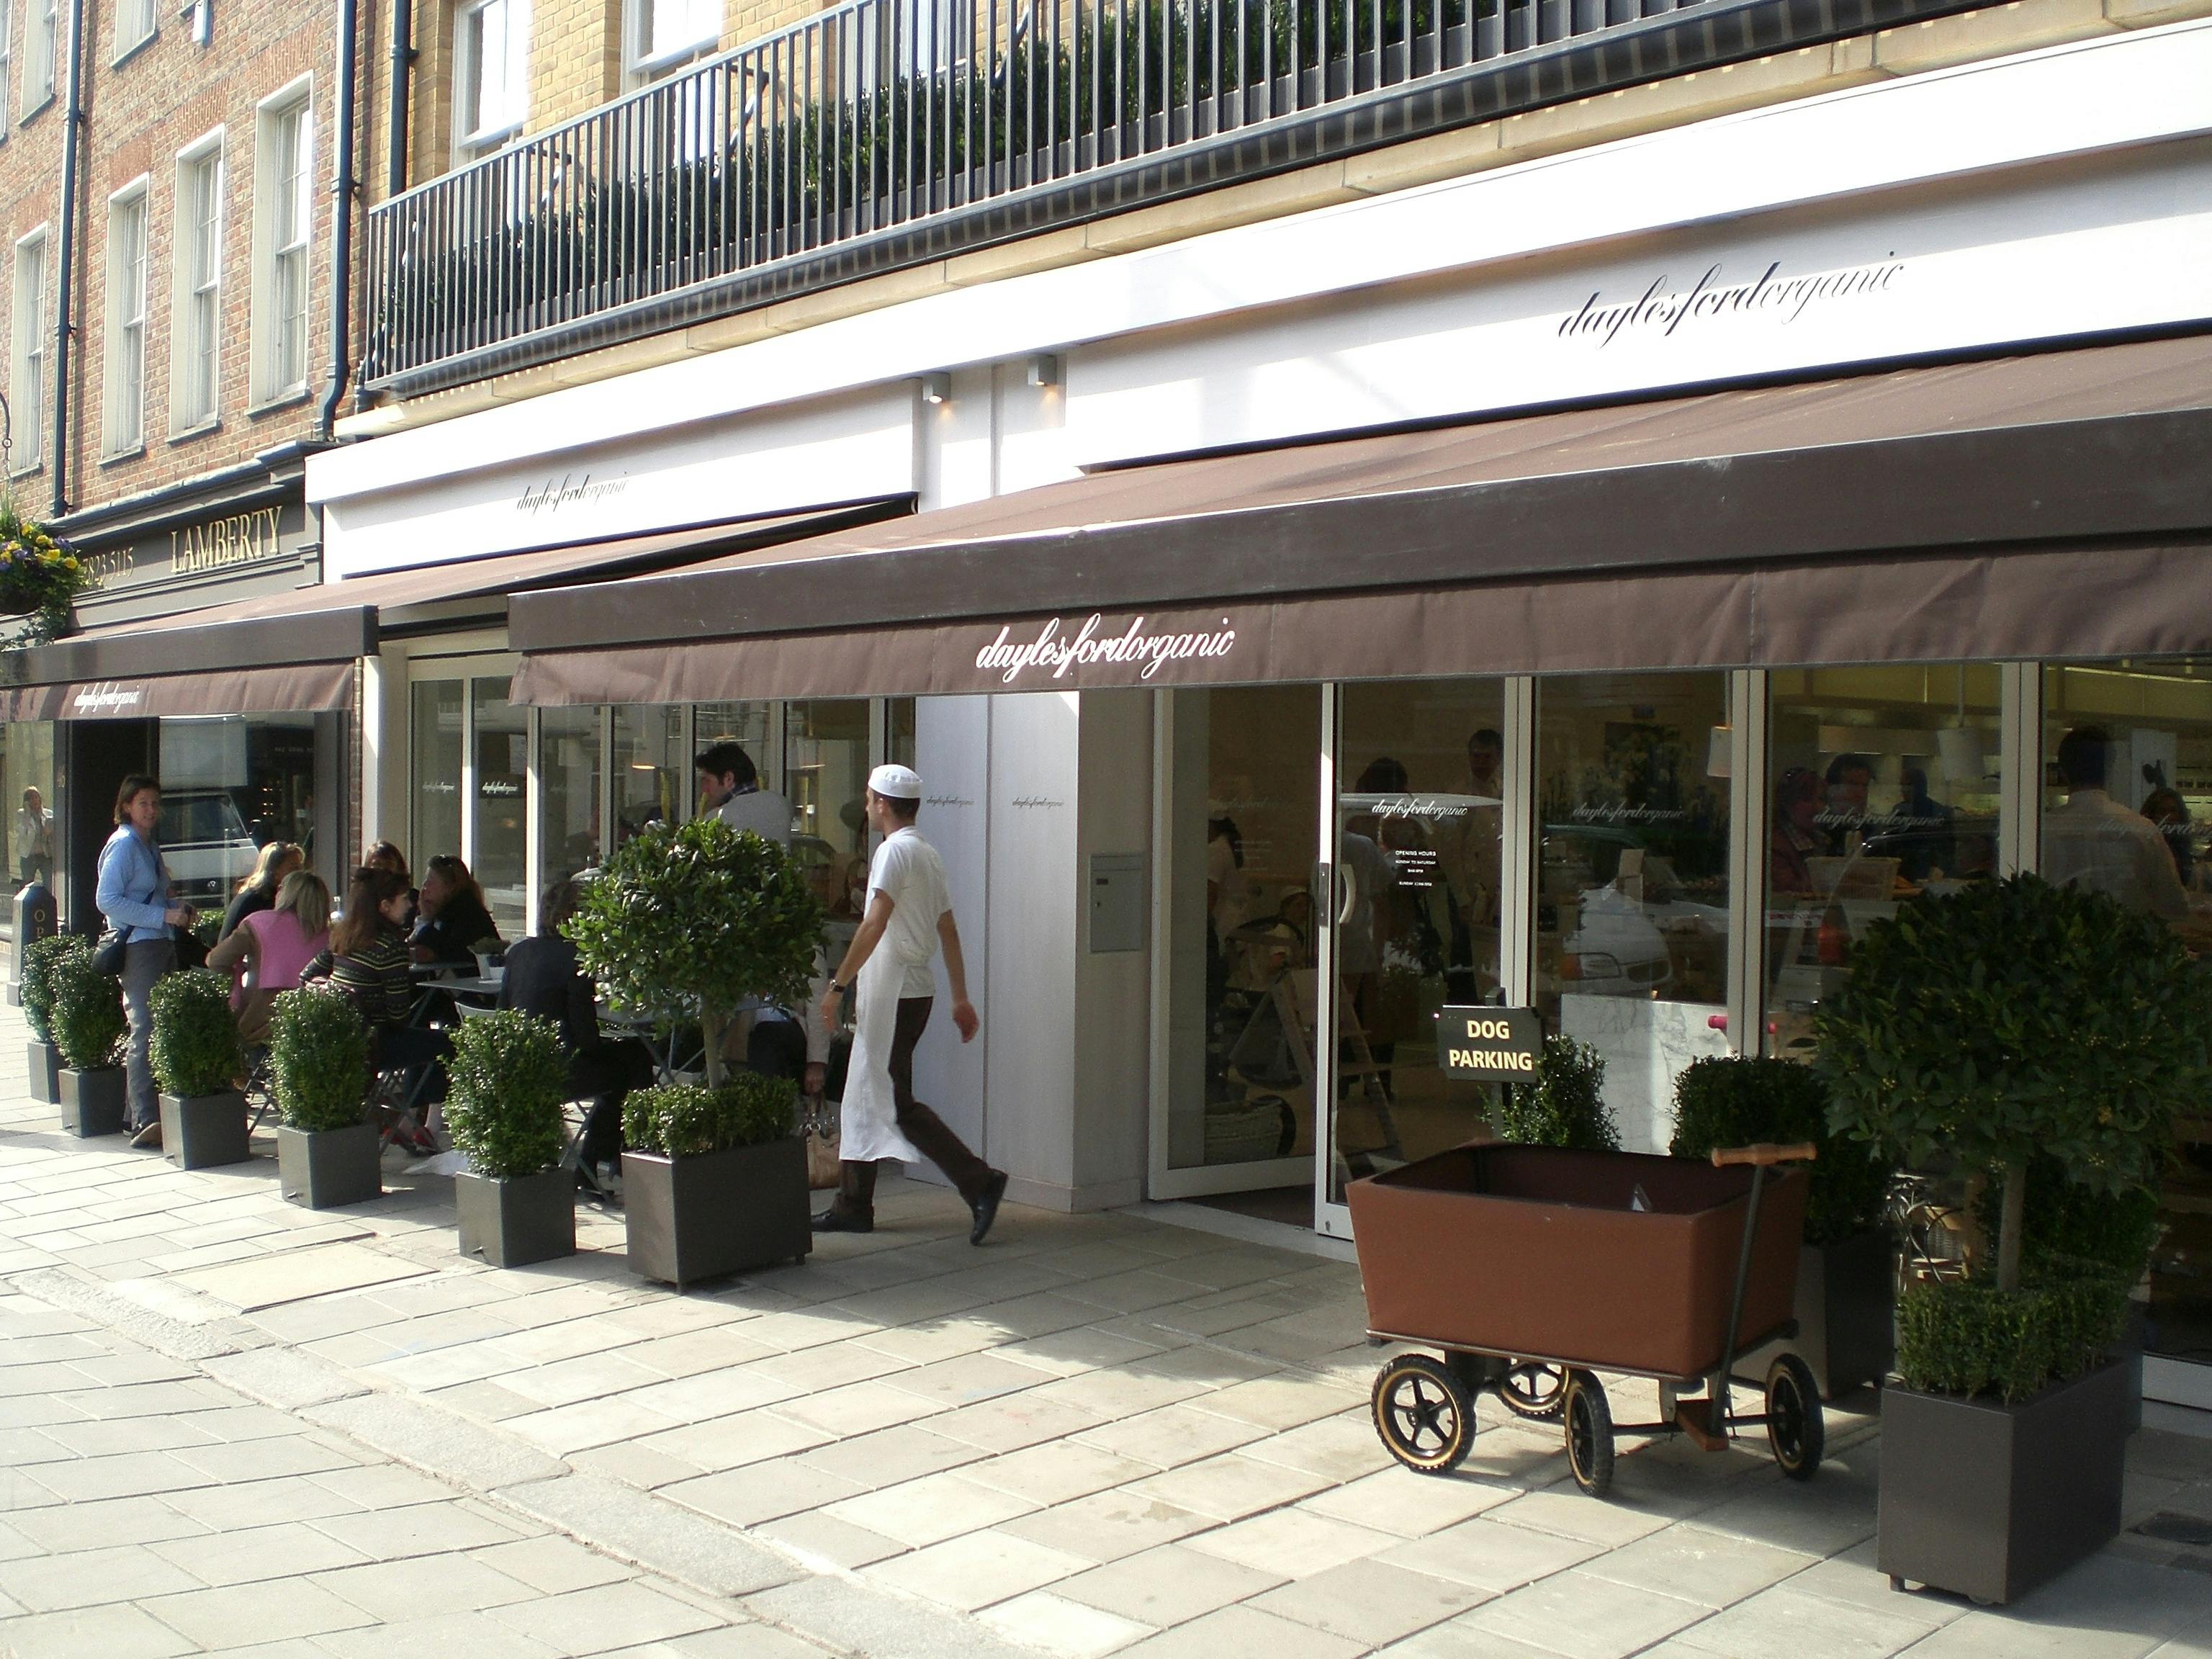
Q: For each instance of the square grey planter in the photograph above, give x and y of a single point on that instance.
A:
(94, 1103)
(1989, 1500)
(515, 1221)
(322, 1168)
(1846, 1313)
(46, 1072)
(198, 1131)
(719, 1213)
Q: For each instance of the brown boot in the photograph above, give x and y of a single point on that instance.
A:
(854, 1208)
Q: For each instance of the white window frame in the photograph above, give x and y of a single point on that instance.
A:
(195, 288)
(641, 63)
(473, 134)
(284, 230)
(135, 24)
(123, 372)
(42, 52)
(7, 62)
(28, 358)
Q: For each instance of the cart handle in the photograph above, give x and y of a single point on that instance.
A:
(1764, 1155)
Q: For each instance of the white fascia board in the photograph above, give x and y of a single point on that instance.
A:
(2111, 92)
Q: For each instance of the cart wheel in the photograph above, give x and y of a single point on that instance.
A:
(1589, 1433)
(1533, 1391)
(1424, 1413)
(1795, 1428)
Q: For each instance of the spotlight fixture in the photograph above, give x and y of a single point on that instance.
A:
(1045, 369)
(937, 388)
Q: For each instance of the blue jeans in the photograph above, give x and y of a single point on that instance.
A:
(144, 960)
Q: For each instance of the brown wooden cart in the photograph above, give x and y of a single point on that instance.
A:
(1532, 1267)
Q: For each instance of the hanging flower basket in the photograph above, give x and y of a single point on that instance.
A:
(39, 577)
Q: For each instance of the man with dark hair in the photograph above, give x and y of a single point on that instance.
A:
(730, 789)
(909, 917)
(2095, 842)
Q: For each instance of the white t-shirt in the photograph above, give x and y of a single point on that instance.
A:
(907, 869)
(763, 812)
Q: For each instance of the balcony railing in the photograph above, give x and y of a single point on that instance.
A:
(874, 131)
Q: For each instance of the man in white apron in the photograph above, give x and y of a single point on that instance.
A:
(909, 917)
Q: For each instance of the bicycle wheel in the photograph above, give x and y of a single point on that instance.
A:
(1795, 1428)
(1424, 1413)
(1589, 1433)
(1534, 1390)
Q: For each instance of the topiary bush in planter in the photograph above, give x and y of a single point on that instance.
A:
(2006, 1022)
(89, 1025)
(699, 919)
(198, 1062)
(506, 1078)
(1566, 1106)
(326, 1153)
(714, 1180)
(36, 988)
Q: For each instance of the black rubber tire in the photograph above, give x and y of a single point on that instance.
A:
(1424, 1413)
(1588, 1419)
(1795, 1430)
(1533, 1390)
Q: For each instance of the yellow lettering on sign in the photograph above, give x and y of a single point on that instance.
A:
(240, 539)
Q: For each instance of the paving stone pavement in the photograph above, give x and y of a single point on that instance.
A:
(228, 1425)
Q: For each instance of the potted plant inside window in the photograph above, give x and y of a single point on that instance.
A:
(702, 920)
(89, 1026)
(197, 1061)
(506, 1080)
(37, 989)
(327, 1147)
(2012, 1021)
(1846, 1273)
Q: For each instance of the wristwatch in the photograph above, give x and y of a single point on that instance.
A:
(838, 988)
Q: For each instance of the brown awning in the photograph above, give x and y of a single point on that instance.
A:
(242, 691)
(339, 621)
(1724, 528)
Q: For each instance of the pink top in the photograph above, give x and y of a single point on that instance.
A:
(281, 949)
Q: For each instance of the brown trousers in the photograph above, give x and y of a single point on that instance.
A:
(856, 1190)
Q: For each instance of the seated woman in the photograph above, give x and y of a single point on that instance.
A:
(366, 959)
(267, 952)
(455, 923)
(543, 978)
(257, 892)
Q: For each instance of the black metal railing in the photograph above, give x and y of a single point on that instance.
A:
(880, 115)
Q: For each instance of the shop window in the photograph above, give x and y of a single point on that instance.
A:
(2127, 806)
(826, 762)
(569, 772)
(1632, 881)
(1243, 981)
(229, 787)
(1883, 781)
(500, 858)
(1419, 860)
(27, 783)
(650, 768)
(434, 824)
(899, 732)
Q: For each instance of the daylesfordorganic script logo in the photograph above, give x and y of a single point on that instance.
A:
(1665, 306)
(1059, 653)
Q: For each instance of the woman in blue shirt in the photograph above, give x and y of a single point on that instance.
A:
(135, 896)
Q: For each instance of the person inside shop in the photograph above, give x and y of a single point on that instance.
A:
(909, 919)
(2165, 807)
(257, 892)
(453, 923)
(1796, 836)
(544, 978)
(730, 789)
(366, 959)
(1228, 898)
(2093, 842)
(265, 953)
(137, 898)
(1926, 845)
(34, 840)
(1850, 786)
(1471, 848)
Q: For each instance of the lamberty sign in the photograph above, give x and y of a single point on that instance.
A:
(1056, 649)
(256, 537)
